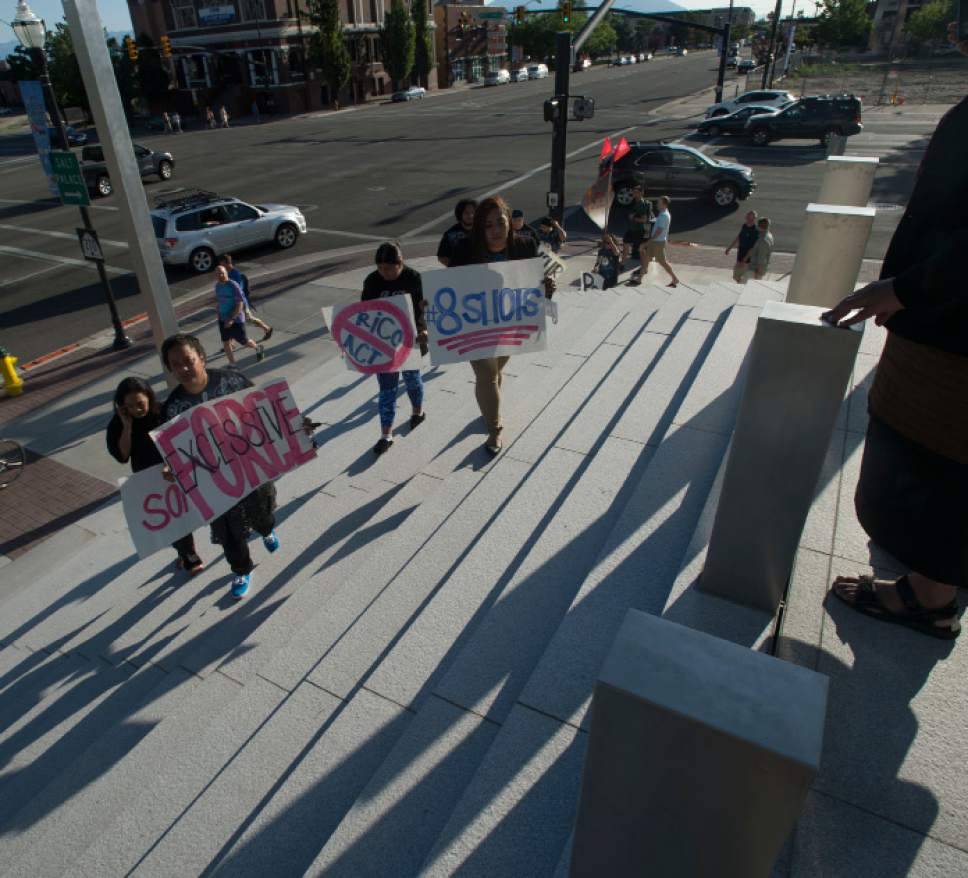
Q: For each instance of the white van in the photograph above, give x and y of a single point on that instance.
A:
(497, 77)
(537, 71)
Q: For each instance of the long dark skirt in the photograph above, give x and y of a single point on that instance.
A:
(914, 504)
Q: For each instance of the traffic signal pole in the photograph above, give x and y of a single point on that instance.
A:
(97, 73)
(769, 58)
(556, 195)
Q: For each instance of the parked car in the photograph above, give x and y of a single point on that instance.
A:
(497, 77)
(747, 65)
(7, 111)
(519, 75)
(732, 123)
(618, 62)
(582, 64)
(195, 227)
(679, 171)
(74, 137)
(537, 71)
(95, 169)
(645, 56)
(414, 93)
(817, 117)
(682, 52)
(732, 61)
(764, 97)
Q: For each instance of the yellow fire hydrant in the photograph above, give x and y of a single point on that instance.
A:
(11, 380)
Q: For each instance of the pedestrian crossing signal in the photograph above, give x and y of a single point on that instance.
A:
(566, 12)
(129, 44)
(165, 46)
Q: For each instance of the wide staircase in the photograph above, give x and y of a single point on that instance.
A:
(404, 692)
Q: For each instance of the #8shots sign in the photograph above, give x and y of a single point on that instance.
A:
(377, 335)
(219, 452)
(491, 310)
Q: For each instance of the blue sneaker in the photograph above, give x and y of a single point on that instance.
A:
(240, 585)
(271, 542)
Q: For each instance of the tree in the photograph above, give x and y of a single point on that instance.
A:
(153, 79)
(423, 55)
(65, 73)
(23, 67)
(930, 22)
(399, 41)
(603, 40)
(643, 33)
(624, 32)
(843, 23)
(327, 47)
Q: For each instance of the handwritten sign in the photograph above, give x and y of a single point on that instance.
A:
(219, 452)
(488, 310)
(157, 511)
(377, 335)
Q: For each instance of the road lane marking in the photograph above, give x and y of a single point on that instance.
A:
(51, 234)
(358, 235)
(62, 260)
(527, 176)
(21, 279)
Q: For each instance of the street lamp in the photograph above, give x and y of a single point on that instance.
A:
(32, 35)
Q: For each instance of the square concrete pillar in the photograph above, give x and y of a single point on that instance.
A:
(799, 368)
(831, 249)
(700, 755)
(848, 180)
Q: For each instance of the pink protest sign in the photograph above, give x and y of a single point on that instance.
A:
(219, 452)
(377, 335)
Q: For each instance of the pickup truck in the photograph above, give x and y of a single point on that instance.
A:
(95, 169)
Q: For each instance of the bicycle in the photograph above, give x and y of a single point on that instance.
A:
(12, 461)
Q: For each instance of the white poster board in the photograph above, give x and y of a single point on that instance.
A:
(219, 452)
(378, 335)
(491, 310)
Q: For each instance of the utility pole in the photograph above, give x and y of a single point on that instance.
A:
(87, 32)
(724, 50)
(556, 195)
(768, 67)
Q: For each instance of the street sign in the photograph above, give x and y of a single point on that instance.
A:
(70, 181)
(90, 245)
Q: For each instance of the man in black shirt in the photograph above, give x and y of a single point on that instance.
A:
(393, 278)
(743, 242)
(521, 228)
(464, 213)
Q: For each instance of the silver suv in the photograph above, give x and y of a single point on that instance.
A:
(194, 227)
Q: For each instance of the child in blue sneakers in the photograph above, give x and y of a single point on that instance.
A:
(184, 357)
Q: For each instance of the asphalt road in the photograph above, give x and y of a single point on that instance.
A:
(382, 171)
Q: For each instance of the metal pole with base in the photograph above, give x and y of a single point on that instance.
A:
(87, 31)
(556, 193)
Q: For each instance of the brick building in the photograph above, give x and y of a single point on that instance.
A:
(234, 52)
(468, 52)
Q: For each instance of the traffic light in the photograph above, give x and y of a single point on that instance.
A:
(165, 46)
(519, 14)
(129, 44)
(566, 12)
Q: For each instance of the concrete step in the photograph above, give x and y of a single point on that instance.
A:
(222, 791)
(485, 677)
(527, 774)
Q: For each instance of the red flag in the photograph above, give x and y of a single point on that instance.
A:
(622, 149)
(606, 150)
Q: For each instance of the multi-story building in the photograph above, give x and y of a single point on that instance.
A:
(240, 52)
(471, 40)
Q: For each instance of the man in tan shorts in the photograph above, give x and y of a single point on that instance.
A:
(655, 246)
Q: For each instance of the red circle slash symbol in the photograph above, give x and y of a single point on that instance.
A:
(368, 342)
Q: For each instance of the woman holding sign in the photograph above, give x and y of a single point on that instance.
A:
(184, 357)
(393, 278)
(136, 414)
(493, 240)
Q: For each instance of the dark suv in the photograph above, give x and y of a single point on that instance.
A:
(95, 169)
(808, 118)
(679, 171)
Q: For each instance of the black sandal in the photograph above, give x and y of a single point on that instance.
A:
(862, 596)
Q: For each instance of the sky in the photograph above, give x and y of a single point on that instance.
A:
(115, 15)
